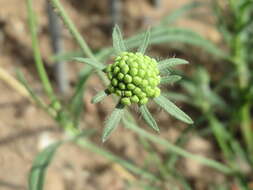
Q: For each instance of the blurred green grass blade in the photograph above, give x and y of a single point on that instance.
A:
(170, 79)
(33, 95)
(99, 97)
(174, 16)
(172, 109)
(148, 117)
(66, 56)
(36, 52)
(92, 62)
(40, 165)
(177, 97)
(76, 101)
(173, 148)
(118, 42)
(171, 62)
(112, 122)
(110, 156)
(144, 45)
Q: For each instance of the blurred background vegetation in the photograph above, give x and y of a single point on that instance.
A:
(39, 116)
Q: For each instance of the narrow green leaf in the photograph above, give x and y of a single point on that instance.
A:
(99, 96)
(172, 109)
(170, 79)
(144, 45)
(92, 62)
(171, 62)
(118, 43)
(76, 102)
(148, 117)
(179, 12)
(40, 165)
(112, 122)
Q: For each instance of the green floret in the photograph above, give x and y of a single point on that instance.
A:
(134, 77)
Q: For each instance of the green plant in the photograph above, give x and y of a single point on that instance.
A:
(134, 77)
(67, 116)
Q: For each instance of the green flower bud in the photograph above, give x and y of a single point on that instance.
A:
(128, 79)
(111, 89)
(137, 80)
(125, 101)
(143, 101)
(134, 77)
(114, 82)
(118, 92)
(130, 86)
(134, 99)
(137, 91)
(122, 86)
(116, 70)
(133, 71)
(128, 93)
(120, 76)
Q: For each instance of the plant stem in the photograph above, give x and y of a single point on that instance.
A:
(179, 151)
(36, 51)
(70, 25)
(243, 82)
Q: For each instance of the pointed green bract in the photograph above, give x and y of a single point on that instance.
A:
(171, 63)
(144, 45)
(148, 117)
(172, 109)
(99, 97)
(95, 64)
(112, 122)
(170, 79)
(40, 164)
(118, 42)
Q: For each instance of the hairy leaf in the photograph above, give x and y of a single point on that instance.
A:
(118, 42)
(172, 109)
(170, 79)
(99, 97)
(171, 62)
(95, 64)
(112, 122)
(148, 117)
(145, 43)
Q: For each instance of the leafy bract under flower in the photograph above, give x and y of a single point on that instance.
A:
(134, 77)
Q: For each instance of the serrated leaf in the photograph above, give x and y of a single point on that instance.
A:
(99, 97)
(170, 79)
(144, 45)
(95, 64)
(171, 62)
(112, 122)
(118, 42)
(172, 109)
(39, 167)
(148, 117)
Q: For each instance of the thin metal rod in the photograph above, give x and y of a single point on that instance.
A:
(55, 29)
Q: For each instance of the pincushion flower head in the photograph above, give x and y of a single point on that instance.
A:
(135, 78)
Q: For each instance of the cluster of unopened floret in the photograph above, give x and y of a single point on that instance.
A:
(134, 77)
